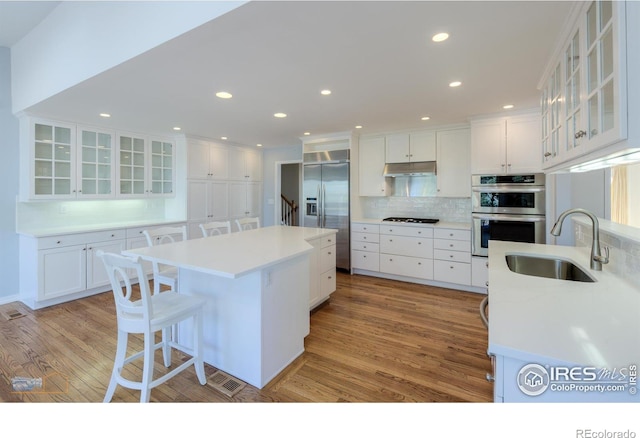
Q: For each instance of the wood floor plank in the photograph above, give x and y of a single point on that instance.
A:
(376, 340)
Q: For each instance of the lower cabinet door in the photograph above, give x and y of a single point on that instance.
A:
(407, 266)
(452, 272)
(96, 273)
(61, 271)
(328, 283)
(369, 261)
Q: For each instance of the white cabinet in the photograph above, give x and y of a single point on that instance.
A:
(506, 145)
(206, 201)
(323, 270)
(480, 272)
(245, 165)
(96, 168)
(244, 199)
(68, 264)
(365, 246)
(417, 146)
(52, 160)
(146, 166)
(454, 163)
(371, 161)
(584, 98)
(406, 251)
(207, 160)
(452, 256)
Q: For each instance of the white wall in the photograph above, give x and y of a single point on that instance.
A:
(78, 40)
(9, 148)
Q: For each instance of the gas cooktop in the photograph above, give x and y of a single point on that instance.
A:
(411, 220)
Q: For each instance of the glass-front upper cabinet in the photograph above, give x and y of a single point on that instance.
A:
(573, 119)
(53, 157)
(132, 159)
(162, 167)
(600, 68)
(96, 170)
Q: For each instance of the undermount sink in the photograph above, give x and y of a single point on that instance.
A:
(548, 267)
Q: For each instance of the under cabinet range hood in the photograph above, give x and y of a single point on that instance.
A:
(417, 168)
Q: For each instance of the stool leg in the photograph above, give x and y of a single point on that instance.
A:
(166, 347)
(197, 348)
(147, 367)
(118, 364)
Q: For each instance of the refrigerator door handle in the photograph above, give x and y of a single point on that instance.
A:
(324, 213)
(318, 208)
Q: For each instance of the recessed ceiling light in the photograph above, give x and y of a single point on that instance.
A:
(325, 92)
(307, 133)
(223, 138)
(259, 145)
(508, 106)
(177, 128)
(105, 115)
(455, 84)
(425, 118)
(439, 37)
(280, 115)
(224, 95)
(358, 126)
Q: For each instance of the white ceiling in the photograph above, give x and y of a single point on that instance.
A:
(17, 18)
(376, 57)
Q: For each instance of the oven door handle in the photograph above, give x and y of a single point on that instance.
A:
(509, 217)
(496, 189)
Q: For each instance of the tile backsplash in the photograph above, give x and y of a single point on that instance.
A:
(445, 209)
(623, 243)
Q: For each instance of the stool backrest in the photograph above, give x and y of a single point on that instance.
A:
(131, 313)
(158, 236)
(248, 223)
(215, 228)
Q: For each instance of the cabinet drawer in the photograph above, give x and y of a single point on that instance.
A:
(407, 266)
(406, 246)
(447, 233)
(452, 256)
(327, 258)
(79, 239)
(365, 237)
(452, 272)
(398, 230)
(365, 246)
(328, 282)
(328, 241)
(452, 245)
(365, 228)
(365, 260)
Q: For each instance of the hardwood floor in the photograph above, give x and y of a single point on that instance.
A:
(375, 341)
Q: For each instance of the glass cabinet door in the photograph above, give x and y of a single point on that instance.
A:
(95, 163)
(600, 68)
(132, 158)
(52, 161)
(572, 90)
(161, 167)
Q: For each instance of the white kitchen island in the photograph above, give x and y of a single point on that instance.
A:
(256, 285)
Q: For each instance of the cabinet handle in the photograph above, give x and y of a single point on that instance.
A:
(419, 243)
(547, 154)
(364, 246)
(451, 256)
(451, 245)
(486, 283)
(580, 133)
(58, 242)
(419, 263)
(450, 267)
(390, 260)
(329, 277)
(490, 378)
(329, 252)
(390, 240)
(419, 232)
(450, 234)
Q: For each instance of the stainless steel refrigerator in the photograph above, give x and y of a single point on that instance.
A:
(326, 197)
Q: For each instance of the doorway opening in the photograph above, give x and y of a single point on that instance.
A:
(288, 192)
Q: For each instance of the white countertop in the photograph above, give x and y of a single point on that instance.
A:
(591, 324)
(47, 231)
(236, 254)
(439, 224)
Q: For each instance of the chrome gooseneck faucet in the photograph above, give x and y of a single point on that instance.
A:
(597, 259)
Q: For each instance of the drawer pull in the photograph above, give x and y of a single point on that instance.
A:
(329, 277)
(59, 242)
(450, 234)
(450, 267)
(450, 255)
(419, 243)
(419, 263)
(451, 245)
(329, 253)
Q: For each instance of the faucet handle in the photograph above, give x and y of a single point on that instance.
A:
(603, 259)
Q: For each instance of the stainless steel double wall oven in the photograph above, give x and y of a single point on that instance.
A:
(507, 207)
